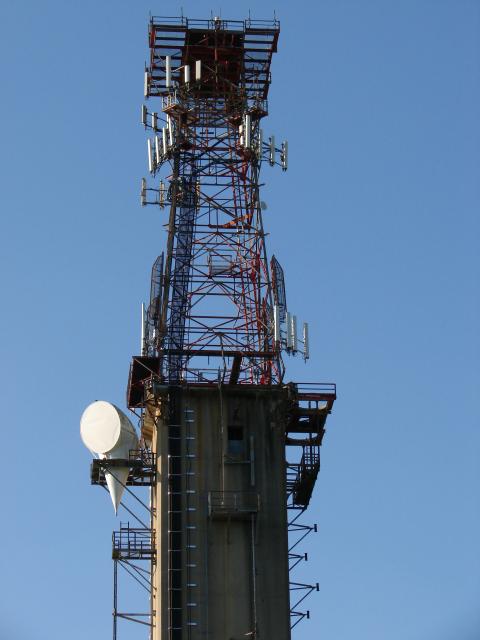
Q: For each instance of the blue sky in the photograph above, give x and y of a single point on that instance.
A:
(376, 225)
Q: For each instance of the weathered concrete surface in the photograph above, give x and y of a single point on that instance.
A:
(233, 554)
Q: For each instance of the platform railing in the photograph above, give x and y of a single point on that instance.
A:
(311, 388)
(133, 542)
(230, 25)
(232, 502)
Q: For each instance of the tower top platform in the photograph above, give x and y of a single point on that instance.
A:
(237, 51)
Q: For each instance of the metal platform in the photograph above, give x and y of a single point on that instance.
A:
(232, 504)
(133, 543)
(142, 468)
(301, 479)
(244, 50)
(309, 407)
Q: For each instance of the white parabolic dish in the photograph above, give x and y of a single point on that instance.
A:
(106, 430)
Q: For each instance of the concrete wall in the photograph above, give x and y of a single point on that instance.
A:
(234, 557)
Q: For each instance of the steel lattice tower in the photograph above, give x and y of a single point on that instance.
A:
(215, 315)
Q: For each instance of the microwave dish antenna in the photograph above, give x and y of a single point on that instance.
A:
(106, 431)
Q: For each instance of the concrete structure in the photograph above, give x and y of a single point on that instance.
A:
(221, 517)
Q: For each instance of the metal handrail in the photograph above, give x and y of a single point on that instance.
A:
(316, 387)
(233, 501)
(234, 25)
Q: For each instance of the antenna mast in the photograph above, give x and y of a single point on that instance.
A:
(217, 308)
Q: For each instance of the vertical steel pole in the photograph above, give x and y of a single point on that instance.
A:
(115, 586)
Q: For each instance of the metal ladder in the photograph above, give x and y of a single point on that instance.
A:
(191, 546)
(182, 541)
